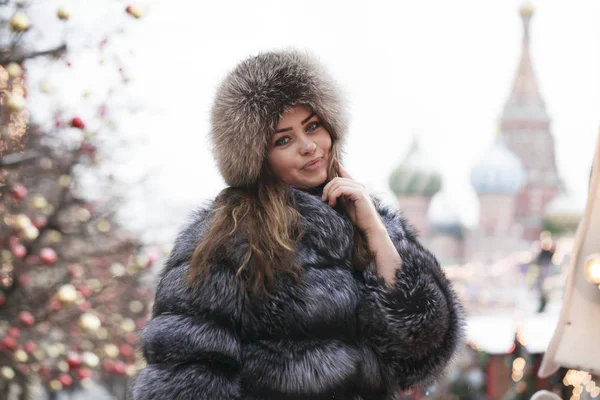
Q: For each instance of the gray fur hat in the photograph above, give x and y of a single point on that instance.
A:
(252, 98)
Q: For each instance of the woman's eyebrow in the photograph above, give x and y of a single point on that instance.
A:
(304, 121)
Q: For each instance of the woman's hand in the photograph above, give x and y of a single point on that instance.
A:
(359, 206)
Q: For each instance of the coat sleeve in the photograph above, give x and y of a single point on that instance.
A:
(415, 327)
(191, 345)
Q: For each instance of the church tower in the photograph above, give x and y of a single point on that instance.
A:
(525, 126)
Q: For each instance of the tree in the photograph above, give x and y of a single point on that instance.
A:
(72, 289)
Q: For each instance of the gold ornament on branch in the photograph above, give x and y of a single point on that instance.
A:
(90, 359)
(19, 22)
(89, 322)
(14, 70)
(62, 13)
(7, 373)
(67, 294)
(15, 102)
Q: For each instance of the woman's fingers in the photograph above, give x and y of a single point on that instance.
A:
(335, 182)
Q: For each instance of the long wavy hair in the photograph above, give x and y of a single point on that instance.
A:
(264, 216)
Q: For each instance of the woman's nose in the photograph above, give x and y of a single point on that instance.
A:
(309, 147)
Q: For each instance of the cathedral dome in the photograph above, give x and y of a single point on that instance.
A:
(444, 216)
(563, 213)
(498, 172)
(415, 176)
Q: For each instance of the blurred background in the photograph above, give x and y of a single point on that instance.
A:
(478, 119)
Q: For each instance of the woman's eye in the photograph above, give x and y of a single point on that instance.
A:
(282, 141)
(312, 126)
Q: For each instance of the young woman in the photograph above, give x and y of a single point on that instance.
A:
(294, 283)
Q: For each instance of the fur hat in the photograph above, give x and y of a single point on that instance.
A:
(252, 98)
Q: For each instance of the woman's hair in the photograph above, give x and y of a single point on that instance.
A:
(263, 215)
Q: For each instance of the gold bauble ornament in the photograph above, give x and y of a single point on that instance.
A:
(83, 214)
(19, 22)
(102, 334)
(136, 306)
(14, 70)
(117, 270)
(90, 359)
(55, 385)
(54, 236)
(30, 233)
(15, 102)
(39, 354)
(21, 222)
(62, 13)
(63, 366)
(39, 202)
(45, 87)
(67, 294)
(21, 356)
(103, 226)
(111, 350)
(89, 322)
(7, 373)
(128, 325)
(64, 181)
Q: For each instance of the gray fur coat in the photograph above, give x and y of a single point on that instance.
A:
(337, 334)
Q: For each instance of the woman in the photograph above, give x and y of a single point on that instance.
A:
(293, 283)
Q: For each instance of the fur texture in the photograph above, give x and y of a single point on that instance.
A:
(338, 333)
(251, 99)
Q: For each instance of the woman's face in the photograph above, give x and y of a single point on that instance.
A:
(299, 149)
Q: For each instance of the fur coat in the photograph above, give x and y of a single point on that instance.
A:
(338, 333)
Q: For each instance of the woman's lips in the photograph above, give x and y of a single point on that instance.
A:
(314, 164)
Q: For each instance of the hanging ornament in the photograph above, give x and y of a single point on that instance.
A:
(78, 123)
(14, 70)
(14, 331)
(133, 11)
(55, 385)
(48, 256)
(62, 13)
(39, 202)
(67, 294)
(128, 325)
(45, 87)
(89, 322)
(90, 359)
(19, 22)
(111, 350)
(18, 192)
(103, 226)
(15, 102)
(84, 373)
(7, 373)
(117, 270)
(30, 347)
(30, 233)
(21, 356)
(26, 318)
(64, 181)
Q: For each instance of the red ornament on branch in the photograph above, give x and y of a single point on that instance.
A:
(26, 318)
(78, 123)
(48, 256)
(18, 192)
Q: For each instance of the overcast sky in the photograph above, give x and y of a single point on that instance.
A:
(440, 70)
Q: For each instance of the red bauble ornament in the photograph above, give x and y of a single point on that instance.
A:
(48, 256)
(85, 291)
(26, 318)
(19, 250)
(65, 379)
(18, 192)
(55, 305)
(84, 307)
(76, 270)
(9, 343)
(2, 299)
(30, 347)
(126, 350)
(120, 368)
(78, 123)
(84, 373)
(74, 360)
(14, 331)
(40, 221)
(108, 366)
